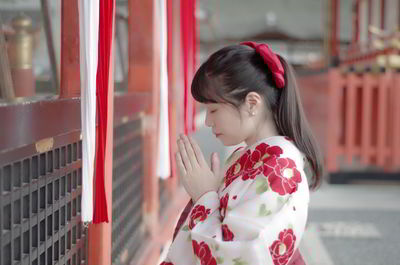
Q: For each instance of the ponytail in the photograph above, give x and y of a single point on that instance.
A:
(291, 121)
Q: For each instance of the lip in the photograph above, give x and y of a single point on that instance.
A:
(218, 134)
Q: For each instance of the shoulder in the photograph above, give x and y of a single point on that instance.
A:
(287, 160)
(276, 159)
(280, 151)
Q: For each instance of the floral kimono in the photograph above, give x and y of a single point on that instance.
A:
(257, 216)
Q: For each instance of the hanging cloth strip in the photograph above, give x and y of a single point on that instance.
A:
(104, 54)
(88, 43)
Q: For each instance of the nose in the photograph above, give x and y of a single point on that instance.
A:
(208, 120)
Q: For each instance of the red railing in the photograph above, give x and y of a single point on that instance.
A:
(364, 120)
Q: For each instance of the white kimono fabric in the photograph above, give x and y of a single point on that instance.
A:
(258, 215)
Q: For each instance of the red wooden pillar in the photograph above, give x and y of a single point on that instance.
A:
(70, 73)
(398, 16)
(382, 105)
(99, 243)
(334, 27)
(333, 132)
(396, 122)
(370, 6)
(173, 85)
(143, 76)
(356, 21)
(350, 110)
(369, 82)
(383, 3)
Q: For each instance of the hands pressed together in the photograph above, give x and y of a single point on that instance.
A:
(196, 175)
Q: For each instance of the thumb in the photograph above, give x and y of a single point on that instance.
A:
(215, 163)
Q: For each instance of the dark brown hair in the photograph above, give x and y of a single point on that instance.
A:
(232, 72)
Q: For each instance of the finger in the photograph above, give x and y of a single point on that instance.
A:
(183, 175)
(180, 165)
(197, 151)
(185, 159)
(215, 163)
(190, 151)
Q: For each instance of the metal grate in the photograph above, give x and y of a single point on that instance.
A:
(41, 205)
(127, 226)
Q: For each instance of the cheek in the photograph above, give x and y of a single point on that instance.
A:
(229, 123)
(232, 128)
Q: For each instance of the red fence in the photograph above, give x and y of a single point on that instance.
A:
(356, 118)
(364, 119)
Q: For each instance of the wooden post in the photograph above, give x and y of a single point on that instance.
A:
(143, 76)
(334, 27)
(356, 21)
(382, 103)
(398, 17)
(350, 112)
(50, 44)
(370, 6)
(395, 87)
(70, 73)
(369, 82)
(173, 85)
(6, 84)
(333, 132)
(383, 3)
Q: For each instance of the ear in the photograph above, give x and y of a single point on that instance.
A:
(253, 102)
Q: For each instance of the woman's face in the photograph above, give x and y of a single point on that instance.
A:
(228, 124)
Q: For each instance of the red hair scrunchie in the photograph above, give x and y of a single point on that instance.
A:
(271, 59)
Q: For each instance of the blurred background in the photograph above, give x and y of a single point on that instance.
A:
(347, 61)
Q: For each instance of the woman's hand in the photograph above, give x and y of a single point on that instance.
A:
(197, 177)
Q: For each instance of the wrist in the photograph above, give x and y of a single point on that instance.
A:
(195, 200)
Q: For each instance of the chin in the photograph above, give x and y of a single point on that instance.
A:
(229, 142)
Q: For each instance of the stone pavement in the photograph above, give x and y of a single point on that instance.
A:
(354, 224)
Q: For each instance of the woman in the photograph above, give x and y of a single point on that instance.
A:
(255, 212)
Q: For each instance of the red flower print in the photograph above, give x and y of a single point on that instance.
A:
(282, 175)
(199, 213)
(223, 204)
(203, 252)
(236, 169)
(282, 249)
(259, 159)
(227, 233)
(167, 263)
